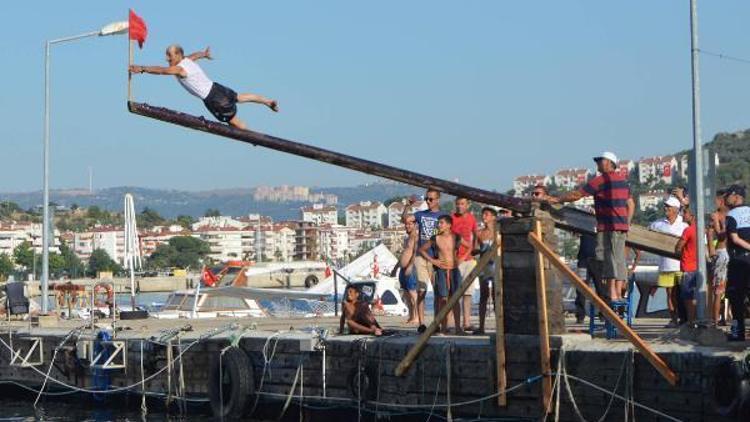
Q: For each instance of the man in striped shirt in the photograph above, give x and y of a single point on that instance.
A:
(614, 208)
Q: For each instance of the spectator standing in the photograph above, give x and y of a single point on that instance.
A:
(738, 244)
(669, 268)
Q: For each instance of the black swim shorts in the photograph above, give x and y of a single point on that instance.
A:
(221, 102)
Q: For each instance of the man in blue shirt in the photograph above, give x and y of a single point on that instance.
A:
(427, 222)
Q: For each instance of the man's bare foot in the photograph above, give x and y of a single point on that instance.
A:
(412, 322)
(273, 105)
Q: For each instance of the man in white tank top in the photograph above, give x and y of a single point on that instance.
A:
(218, 99)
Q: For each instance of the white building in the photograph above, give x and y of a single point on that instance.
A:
(654, 169)
(570, 179)
(521, 183)
(333, 241)
(283, 244)
(650, 200)
(396, 210)
(111, 240)
(625, 167)
(218, 222)
(14, 234)
(320, 214)
(366, 214)
(225, 243)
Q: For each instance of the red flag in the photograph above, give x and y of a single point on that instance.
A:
(137, 28)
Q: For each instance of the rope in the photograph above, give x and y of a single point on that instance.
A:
(266, 364)
(73, 388)
(448, 379)
(570, 391)
(291, 392)
(144, 409)
(52, 363)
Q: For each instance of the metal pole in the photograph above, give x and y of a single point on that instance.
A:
(697, 169)
(45, 184)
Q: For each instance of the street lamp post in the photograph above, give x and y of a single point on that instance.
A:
(111, 29)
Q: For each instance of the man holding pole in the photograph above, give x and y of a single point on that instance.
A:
(614, 208)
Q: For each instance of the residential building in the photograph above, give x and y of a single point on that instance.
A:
(392, 238)
(625, 167)
(111, 240)
(320, 214)
(305, 240)
(334, 241)
(654, 169)
(396, 210)
(218, 222)
(570, 179)
(651, 199)
(522, 183)
(225, 243)
(365, 214)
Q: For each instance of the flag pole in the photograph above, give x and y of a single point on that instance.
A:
(130, 75)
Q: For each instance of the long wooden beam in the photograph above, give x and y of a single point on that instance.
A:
(567, 218)
(421, 342)
(331, 157)
(498, 282)
(608, 313)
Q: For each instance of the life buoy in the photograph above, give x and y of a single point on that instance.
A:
(362, 383)
(108, 290)
(311, 280)
(231, 385)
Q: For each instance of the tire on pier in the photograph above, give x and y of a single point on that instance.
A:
(363, 383)
(230, 387)
(731, 392)
(311, 280)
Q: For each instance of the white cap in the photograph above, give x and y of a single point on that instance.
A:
(608, 155)
(672, 202)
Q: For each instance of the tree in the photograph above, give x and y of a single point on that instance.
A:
(23, 255)
(6, 266)
(212, 212)
(181, 252)
(185, 221)
(278, 255)
(149, 218)
(8, 208)
(72, 265)
(101, 261)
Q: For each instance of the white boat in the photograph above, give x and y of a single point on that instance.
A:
(202, 304)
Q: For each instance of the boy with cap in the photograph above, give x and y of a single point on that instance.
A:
(738, 242)
(614, 208)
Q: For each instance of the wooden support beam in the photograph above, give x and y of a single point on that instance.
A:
(502, 381)
(567, 218)
(541, 306)
(421, 342)
(608, 313)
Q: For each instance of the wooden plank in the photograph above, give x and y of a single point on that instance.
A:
(639, 237)
(608, 313)
(421, 343)
(502, 382)
(541, 305)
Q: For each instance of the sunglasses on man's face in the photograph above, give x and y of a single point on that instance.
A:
(428, 199)
(538, 194)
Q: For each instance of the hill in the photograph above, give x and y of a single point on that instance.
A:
(236, 202)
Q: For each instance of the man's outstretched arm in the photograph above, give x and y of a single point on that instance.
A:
(158, 70)
(205, 54)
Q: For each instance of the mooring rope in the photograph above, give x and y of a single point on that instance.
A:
(144, 409)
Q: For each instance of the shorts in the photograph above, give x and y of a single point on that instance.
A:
(611, 250)
(464, 268)
(669, 279)
(423, 270)
(221, 102)
(446, 282)
(720, 265)
(407, 281)
(689, 285)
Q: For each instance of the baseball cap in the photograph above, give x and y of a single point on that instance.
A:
(672, 202)
(735, 189)
(608, 155)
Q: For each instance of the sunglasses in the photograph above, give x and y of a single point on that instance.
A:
(537, 194)
(428, 199)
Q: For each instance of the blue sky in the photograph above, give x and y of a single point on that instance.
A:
(480, 91)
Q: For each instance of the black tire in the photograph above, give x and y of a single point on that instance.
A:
(731, 388)
(311, 280)
(364, 388)
(238, 384)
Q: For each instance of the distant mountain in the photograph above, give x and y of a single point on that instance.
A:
(236, 202)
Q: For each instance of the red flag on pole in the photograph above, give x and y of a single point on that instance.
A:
(137, 28)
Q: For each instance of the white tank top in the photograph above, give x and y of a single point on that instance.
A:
(196, 82)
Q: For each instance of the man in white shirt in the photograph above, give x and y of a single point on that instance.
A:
(669, 269)
(218, 99)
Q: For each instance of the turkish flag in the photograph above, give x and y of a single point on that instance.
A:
(137, 28)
